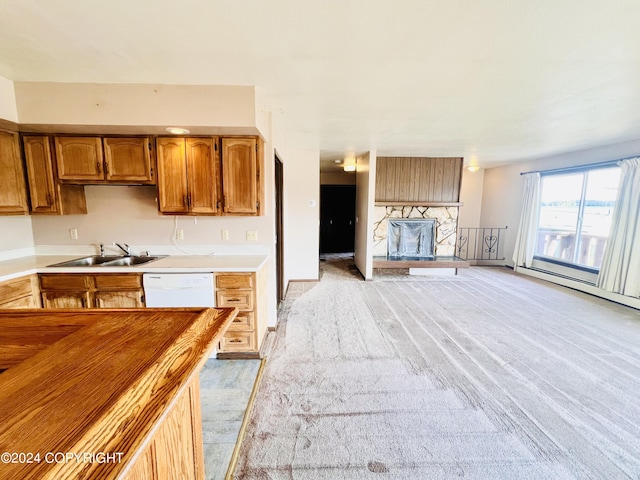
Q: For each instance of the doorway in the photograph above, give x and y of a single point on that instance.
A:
(279, 188)
(337, 218)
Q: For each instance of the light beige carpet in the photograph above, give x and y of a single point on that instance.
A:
(486, 375)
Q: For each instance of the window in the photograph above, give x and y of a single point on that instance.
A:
(575, 215)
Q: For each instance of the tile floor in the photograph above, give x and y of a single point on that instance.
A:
(225, 388)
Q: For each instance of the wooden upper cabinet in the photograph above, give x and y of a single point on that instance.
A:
(128, 159)
(13, 194)
(172, 175)
(241, 176)
(188, 175)
(202, 175)
(47, 196)
(79, 158)
(37, 155)
(87, 160)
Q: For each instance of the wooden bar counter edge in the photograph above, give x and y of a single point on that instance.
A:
(105, 394)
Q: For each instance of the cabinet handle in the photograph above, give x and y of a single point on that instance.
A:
(99, 166)
(185, 201)
(49, 200)
(106, 168)
(189, 201)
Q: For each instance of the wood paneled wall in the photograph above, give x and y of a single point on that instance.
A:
(418, 180)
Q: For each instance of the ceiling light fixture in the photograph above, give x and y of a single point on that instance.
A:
(337, 162)
(349, 168)
(177, 130)
(473, 168)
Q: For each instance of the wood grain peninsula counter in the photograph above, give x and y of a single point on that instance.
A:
(105, 394)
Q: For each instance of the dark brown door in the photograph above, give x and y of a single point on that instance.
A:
(279, 187)
(337, 218)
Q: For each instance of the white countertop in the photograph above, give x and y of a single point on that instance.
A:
(21, 266)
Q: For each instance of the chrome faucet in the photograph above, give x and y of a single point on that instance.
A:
(101, 247)
(124, 247)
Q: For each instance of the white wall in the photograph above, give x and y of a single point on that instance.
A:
(16, 235)
(471, 198)
(8, 108)
(301, 214)
(232, 108)
(365, 199)
(502, 189)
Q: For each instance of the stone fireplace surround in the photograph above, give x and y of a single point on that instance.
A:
(446, 226)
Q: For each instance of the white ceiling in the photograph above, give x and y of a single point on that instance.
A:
(493, 80)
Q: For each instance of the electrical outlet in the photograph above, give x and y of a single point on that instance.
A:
(179, 234)
(252, 235)
(225, 234)
(73, 233)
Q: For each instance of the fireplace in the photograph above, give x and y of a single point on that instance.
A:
(411, 238)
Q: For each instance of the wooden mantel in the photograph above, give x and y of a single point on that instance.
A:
(107, 382)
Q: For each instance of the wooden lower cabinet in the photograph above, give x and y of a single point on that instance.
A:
(20, 293)
(176, 449)
(92, 291)
(247, 292)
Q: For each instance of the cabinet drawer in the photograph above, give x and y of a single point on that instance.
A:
(238, 342)
(242, 299)
(235, 281)
(65, 282)
(20, 287)
(118, 282)
(243, 322)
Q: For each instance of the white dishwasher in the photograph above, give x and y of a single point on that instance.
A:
(178, 290)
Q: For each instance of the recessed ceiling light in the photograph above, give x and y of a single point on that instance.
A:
(337, 161)
(177, 130)
(349, 168)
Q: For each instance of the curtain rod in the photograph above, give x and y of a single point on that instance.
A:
(579, 167)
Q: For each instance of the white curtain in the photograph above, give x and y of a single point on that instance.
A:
(528, 227)
(620, 270)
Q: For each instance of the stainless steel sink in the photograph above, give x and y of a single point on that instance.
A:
(127, 261)
(108, 261)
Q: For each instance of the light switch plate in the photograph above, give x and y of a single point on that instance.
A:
(252, 235)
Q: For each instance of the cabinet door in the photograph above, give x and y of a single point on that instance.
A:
(24, 302)
(122, 299)
(202, 175)
(62, 299)
(37, 154)
(13, 194)
(128, 160)
(79, 158)
(172, 175)
(18, 293)
(240, 172)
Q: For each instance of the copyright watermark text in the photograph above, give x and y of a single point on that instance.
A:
(61, 457)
